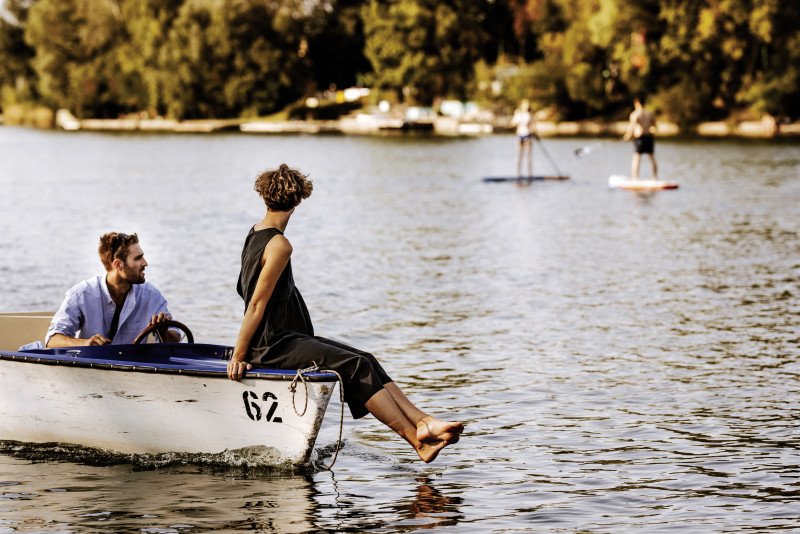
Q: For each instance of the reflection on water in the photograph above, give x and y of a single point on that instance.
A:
(418, 504)
(79, 498)
(624, 362)
(429, 508)
(192, 498)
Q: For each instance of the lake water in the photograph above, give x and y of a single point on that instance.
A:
(623, 362)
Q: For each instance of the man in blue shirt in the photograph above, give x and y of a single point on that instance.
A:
(111, 308)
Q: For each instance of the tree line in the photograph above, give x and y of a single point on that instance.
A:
(696, 59)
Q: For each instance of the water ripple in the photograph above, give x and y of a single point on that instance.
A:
(623, 362)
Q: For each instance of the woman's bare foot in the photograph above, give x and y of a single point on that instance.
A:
(428, 451)
(432, 429)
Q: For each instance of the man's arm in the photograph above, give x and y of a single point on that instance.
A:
(631, 126)
(67, 323)
(61, 340)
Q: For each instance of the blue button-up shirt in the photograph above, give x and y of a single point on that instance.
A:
(88, 310)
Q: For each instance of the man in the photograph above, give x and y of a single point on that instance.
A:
(641, 128)
(111, 308)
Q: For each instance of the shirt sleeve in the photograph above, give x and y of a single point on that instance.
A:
(159, 305)
(68, 318)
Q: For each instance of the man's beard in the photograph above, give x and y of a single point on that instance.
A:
(134, 276)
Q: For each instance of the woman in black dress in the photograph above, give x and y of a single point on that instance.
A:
(277, 331)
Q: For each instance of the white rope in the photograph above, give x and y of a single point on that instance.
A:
(293, 388)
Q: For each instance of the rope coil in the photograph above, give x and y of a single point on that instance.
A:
(300, 376)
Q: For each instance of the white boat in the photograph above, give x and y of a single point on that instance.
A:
(153, 398)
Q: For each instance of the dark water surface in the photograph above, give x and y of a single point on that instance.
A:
(624, 362)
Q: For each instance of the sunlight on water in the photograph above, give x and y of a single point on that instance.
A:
(624, 362)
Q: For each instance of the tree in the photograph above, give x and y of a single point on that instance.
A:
(771, 82)
(422, 49)
(574, 40)
(227, 57)
(140, 77)
(336, 44)
(74, 42)
(16, 73)
(699, 59)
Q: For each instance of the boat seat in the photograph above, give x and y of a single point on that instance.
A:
(18, 329)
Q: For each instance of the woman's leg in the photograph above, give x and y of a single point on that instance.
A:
(428, 427)
(385, 409)
(529, 143)
(365, 379)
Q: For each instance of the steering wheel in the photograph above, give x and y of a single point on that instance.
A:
(157, 326)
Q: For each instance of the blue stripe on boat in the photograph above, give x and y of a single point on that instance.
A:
(180, 358)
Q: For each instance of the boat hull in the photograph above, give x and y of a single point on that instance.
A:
(158, 400)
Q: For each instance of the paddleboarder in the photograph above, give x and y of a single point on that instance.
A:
(641, 128)
(525, 122)
(276, 331)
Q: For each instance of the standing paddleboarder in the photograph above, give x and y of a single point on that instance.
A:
(641, 128)
(525, 122)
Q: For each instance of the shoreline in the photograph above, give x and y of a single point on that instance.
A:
(368, 124)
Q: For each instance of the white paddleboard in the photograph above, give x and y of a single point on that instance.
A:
(623, 182)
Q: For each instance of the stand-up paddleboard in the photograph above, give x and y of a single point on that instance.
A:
(623, 182)
(526, 179)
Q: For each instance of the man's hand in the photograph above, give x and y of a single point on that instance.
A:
(237, 367)
(160, 318)
(170, 336)
(97, 339)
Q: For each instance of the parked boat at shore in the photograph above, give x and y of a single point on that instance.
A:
(154, 398)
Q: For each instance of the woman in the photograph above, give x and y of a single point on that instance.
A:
(277, 332)
(525, 122)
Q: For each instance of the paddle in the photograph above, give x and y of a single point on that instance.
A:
(591, 148)
(544, 150)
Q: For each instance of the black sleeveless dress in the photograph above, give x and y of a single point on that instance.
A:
(285, 337)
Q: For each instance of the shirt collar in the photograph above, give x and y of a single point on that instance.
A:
(107, 294)
(104, 288)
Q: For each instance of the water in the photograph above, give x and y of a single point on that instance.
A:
(624, 362)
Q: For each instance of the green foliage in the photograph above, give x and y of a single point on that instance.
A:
(74, 43)
(17, 77)
(422, 49)
(336, 45)
(147, 23)
(698, 59)
(773, 86)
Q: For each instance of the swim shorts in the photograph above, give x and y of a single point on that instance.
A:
(643, 144)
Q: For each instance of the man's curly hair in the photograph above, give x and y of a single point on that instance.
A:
(283, 188)
(115, 245)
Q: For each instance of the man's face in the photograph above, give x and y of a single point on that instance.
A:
(133, 268)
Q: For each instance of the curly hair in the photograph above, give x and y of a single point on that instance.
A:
(283, 188)
(115, 245)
